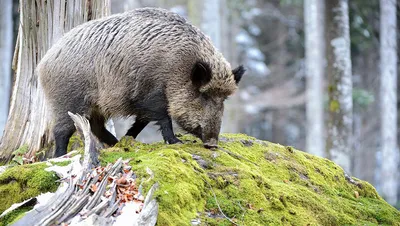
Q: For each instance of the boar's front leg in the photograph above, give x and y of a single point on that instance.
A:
(63, 130)
(137, 127)
(167, 132)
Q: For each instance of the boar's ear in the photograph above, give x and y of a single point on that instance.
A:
(201, 74)
(238, 73)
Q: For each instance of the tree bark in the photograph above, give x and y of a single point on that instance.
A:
(315, 61)
(339, 131)
(388, 53)
(6, 40)
(42, 23)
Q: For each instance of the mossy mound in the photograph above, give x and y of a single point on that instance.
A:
(254, 182)
(22, 182)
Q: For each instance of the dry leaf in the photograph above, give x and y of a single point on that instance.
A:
(122, 180)
(93, 187)
(250, 206)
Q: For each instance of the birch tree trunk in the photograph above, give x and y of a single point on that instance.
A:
(339, 131)
(315, 61)
(211, 21)
(42, 23)
(388, 53)
(119, 6)
(6, 40)
(230, 27)
(195, 12)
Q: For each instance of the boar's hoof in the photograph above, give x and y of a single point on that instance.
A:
(212, 143)
(174, 141)
(210, 146)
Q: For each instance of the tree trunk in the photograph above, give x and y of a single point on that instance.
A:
(6, 40)
(211, 21)
(339, 131)
(315, 61)
(233, 114)
(390, 153)
(194, 9)
(42, 23)
(120, 6)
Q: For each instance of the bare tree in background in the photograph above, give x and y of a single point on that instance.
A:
(229, 26)
(6, 40)
(211, 21)
(388, 59)
(118, 6)
(339, 131)
(42, 23)
(315, 61)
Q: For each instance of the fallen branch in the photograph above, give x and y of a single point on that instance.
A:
(94, 195)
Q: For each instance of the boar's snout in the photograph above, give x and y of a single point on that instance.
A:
(209, 138)
(212, 127)
(211, 143)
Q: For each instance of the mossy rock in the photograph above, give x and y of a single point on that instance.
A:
(21, 182)
(253, 182)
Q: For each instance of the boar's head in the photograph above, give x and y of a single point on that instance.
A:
(197, 105)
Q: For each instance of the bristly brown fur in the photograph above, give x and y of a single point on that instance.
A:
(136, 63)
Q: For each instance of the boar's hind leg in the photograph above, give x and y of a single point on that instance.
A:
(63, 130)
(137, 127)
(167, 132)
(97, 125)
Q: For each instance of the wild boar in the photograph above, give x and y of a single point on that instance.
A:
(149, 63)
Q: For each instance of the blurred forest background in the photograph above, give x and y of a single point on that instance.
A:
(321, 76)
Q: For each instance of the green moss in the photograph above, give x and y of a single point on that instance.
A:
(13, 216)
(19, 183)
(75, 142)
(19, 153)
(45, 152)
(334, 106)
(255, 183)
(63, 163)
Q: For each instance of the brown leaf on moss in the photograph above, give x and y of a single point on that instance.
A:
(250, 206)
